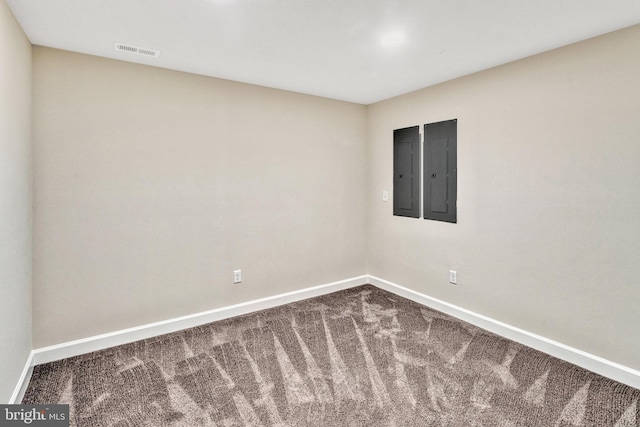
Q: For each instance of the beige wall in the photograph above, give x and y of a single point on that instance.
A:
(16, 230)
(152, 186)
(548, 233)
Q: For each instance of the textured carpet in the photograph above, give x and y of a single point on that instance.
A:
(360, 357)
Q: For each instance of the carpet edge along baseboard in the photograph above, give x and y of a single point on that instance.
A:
(578, 357)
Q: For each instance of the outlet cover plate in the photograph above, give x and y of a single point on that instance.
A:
(453, 277)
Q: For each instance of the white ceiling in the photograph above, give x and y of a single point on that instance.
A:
(330, 48)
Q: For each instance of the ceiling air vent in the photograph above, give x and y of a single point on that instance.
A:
(137, 50)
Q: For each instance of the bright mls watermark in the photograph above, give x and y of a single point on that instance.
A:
(34, 415)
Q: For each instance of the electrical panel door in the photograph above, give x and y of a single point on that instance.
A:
(406, 172)
(440, 171)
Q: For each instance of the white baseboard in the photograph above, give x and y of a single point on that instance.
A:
(125, 336)
(583, 359)
(23, 381)
(580, 358)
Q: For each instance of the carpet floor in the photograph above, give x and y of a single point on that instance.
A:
(359, 357)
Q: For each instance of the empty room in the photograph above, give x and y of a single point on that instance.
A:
(306, 213)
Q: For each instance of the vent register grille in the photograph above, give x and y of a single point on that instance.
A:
(135, 49)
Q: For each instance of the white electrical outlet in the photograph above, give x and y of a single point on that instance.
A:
(237, 276)
(453, 279)
(385, 196)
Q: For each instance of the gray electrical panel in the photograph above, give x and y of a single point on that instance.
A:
(406, 172)
(440, 181)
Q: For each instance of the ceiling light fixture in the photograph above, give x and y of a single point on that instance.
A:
(393, 39)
